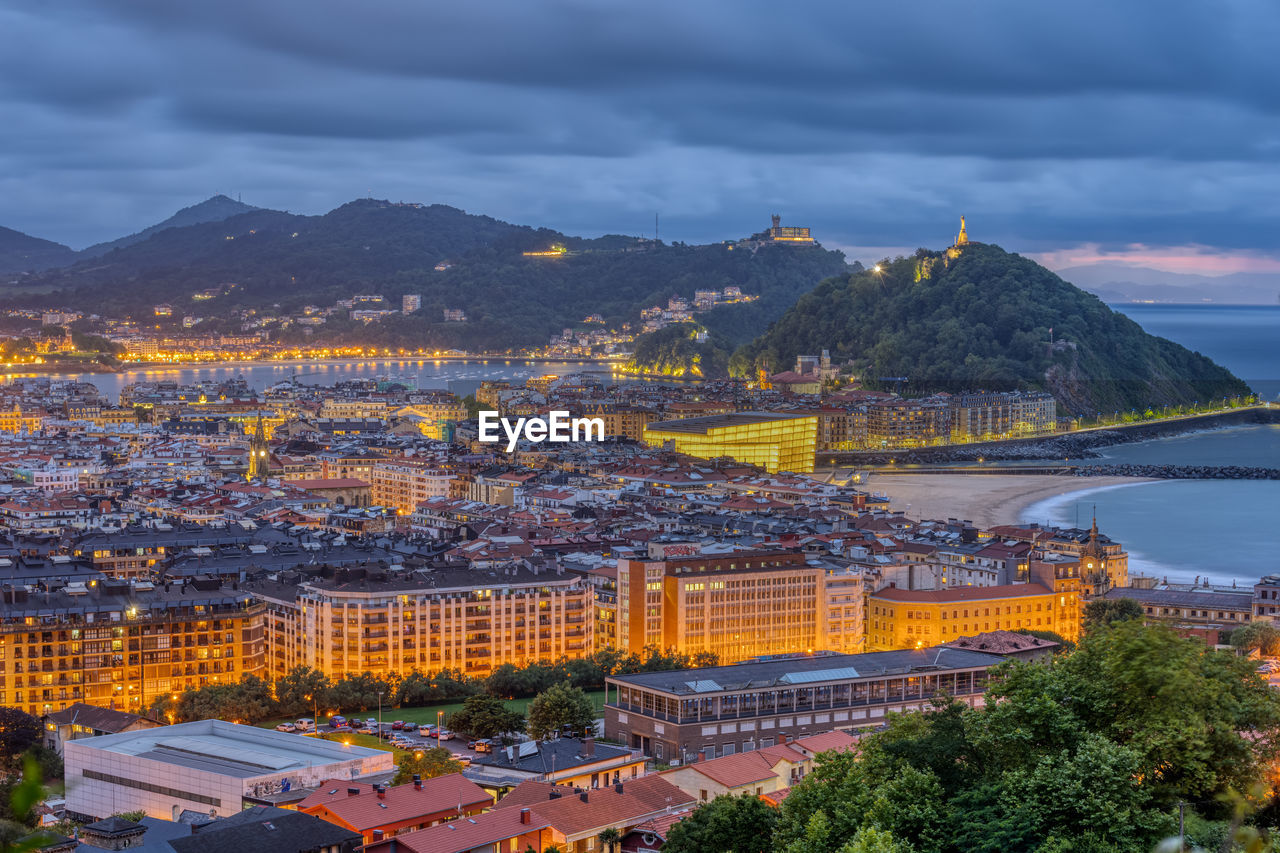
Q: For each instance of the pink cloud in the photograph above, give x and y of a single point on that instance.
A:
(1192, 259)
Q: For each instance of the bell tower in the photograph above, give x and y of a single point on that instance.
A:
(259, 452)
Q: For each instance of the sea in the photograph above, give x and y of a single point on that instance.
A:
(1223, 531)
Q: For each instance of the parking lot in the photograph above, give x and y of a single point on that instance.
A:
(409, 736)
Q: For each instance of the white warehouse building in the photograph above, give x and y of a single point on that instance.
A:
(209, 766)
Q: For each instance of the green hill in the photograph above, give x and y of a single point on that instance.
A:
(281, 262)
(22, 253)
(213, 209)
(985, 321)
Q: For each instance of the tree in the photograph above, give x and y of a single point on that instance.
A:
(427, 763)
(485, 716)
(559, 707)
(360, 691)
(302, 690)
(872, 840)
(741, 824)
(19, 731)
(1260, 636)
(1106, 611)
(609, 839)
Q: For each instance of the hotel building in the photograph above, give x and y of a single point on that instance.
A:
(775, 442)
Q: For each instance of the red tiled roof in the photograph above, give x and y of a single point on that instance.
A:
(366, 811)
(466, 834)
(734, 771)
(827, 741)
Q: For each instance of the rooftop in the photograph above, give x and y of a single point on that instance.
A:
(214, 746)
(717, 679)
(704, 425)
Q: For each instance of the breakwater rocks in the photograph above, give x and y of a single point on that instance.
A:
(1178, 472)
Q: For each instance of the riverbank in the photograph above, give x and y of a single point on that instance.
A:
(985, 499)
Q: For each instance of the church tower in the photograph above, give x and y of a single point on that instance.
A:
(259, 453)
(1101, 570)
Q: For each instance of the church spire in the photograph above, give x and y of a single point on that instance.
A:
(259, 452)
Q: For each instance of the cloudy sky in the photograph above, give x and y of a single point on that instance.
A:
(1089, 130)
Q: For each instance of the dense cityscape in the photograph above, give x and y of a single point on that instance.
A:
(694, 614)
(617, 428)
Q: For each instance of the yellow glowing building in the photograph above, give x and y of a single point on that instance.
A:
(775, 442)
(909, 619)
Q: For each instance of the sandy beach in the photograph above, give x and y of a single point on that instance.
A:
(984, 499)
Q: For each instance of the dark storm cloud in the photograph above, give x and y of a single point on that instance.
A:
(875, 123)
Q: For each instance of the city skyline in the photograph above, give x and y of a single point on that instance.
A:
(125, 113)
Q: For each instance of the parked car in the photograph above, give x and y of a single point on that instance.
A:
(365, 730)
(337, 720)
(464, 760)
(286, 727)
(480, 746)
(444, 734)
(305, 724)
(398, 725)
(426, 731)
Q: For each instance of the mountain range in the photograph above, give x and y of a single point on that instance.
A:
(514, 292)
(22, 253)
(1123, 283)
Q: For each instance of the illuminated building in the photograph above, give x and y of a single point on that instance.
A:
(121, 645)
(410, 302)
(908, 619)
(775, 442)
(622, 420)
(375, 619)
(736, 606)
(788, 234)
(405, 483)
(15, 420)
(895, 422)
(259, 453)
(727, 709)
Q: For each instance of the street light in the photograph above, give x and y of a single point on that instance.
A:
(379, 732)
(439, 725)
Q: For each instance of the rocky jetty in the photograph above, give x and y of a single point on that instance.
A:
(1178, 472)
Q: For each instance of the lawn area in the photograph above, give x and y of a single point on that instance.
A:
(425, 714)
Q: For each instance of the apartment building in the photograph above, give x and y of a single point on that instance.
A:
(405, 483)
(133, 552)
(385, 620)
(737, 606)
(121, 644)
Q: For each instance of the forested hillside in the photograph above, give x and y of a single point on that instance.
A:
(987, 320)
